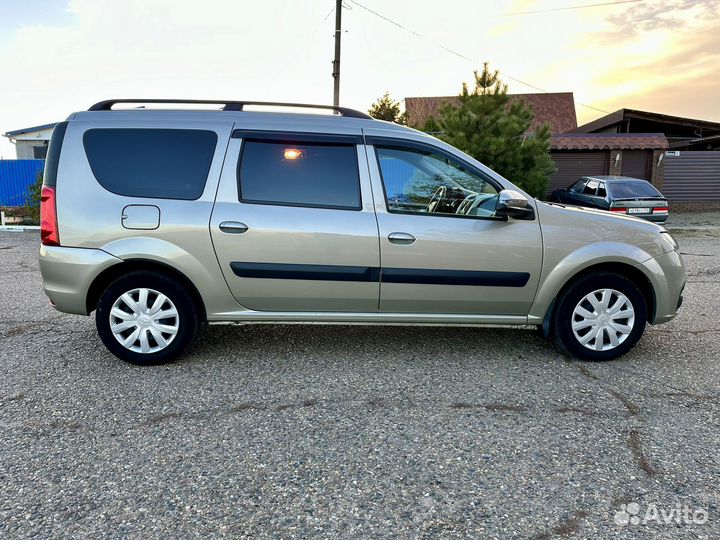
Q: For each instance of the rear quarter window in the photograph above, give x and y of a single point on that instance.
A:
(53, 155)
(155, 163)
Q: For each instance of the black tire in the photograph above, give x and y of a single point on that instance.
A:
(188, 319)
(563, 335)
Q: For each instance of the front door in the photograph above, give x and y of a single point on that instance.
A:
(443, 249)
(293, 224)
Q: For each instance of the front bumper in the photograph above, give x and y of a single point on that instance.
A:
(68, 273)
(667, 276)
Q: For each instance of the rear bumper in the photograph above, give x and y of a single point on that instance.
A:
(667, 276)
(68, 273)
(655, 218)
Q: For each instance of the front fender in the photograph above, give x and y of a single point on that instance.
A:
(558, 270)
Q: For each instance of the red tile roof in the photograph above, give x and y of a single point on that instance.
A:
(608, 141)
(556, 109)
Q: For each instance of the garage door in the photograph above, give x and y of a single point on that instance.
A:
(692, 176)
(636, 163)
(572, 165)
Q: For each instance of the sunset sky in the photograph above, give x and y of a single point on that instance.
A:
(59, 56)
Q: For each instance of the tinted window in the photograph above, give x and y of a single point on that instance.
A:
(601, 192)
(53, 155)
(158, 163)
(624, 190)
(299, 174)
(590, 187)
(419, 181)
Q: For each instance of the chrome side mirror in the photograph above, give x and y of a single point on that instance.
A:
(512, 204)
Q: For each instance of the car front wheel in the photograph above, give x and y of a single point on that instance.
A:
(146, 318)
(601, 316)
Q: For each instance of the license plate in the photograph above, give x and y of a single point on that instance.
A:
(639, 210)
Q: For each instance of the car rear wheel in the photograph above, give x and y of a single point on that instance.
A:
(601, 316)
(146, 318)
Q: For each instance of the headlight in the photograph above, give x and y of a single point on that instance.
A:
(669, 239)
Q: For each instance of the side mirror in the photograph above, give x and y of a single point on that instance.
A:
(512, 204)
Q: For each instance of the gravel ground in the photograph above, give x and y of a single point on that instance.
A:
(354, 432)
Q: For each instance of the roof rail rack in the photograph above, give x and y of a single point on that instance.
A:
(107, 105)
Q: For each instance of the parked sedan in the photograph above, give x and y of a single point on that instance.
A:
(618, 194)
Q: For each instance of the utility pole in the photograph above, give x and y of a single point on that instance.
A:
(336, 61)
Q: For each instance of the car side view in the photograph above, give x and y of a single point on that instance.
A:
(618, 194)
(159, 220)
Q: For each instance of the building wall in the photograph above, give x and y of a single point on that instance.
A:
(25, 149)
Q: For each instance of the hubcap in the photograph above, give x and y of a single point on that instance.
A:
(144, 321)
(603, 319)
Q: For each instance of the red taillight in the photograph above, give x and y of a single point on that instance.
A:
(48, 218)
(619, 210)
(661, 210)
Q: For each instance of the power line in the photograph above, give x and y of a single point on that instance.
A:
(460, 55)
(582, 6)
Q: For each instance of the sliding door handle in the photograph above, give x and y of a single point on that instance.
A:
(233, 227)
(401, 238)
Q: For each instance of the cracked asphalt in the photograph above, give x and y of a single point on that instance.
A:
(355, 432)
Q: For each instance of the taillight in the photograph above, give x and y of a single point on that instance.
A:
(619, 210)
(49, 235)
(660, 210)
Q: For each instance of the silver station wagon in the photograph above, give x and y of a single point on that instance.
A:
(159, 219)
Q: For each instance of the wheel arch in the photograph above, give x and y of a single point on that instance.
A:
(633, 273)
(106, 277)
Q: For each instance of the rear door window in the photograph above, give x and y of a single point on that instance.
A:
(590, 188)
(155, 163)
(319, 175)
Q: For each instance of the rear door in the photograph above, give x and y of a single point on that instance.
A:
(293, 224)
(443, 249)
(587, 197)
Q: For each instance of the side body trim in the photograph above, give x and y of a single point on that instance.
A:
(324, 272)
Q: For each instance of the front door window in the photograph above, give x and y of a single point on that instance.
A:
(421, 182)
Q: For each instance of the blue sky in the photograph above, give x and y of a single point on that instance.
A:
(14, 14)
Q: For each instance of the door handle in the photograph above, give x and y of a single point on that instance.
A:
(401, 238)
(233, 227)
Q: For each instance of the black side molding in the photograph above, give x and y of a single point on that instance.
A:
(454, 277)
(329, 272)
(314, 272)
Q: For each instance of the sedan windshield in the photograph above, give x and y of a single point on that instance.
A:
(633, 189)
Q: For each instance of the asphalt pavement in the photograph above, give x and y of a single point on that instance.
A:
(357, 432)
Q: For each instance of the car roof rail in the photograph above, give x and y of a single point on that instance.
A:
(107, 105)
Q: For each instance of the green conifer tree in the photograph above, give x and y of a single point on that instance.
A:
(385, 108)
(493, 129)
